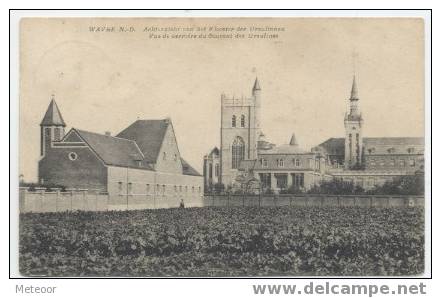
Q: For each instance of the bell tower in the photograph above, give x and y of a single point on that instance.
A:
(51, 127)
(353, 127)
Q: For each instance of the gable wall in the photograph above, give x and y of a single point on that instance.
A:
(172, 161)
(87, 171)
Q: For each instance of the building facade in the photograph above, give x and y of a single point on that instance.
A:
(211, 169)
(365, 161)
(142, 160)
(240, 130)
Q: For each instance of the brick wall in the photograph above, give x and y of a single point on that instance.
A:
(87, 171)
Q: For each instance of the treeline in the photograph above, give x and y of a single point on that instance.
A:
(47, 186)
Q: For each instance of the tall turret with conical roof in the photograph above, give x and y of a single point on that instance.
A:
(293, 141)
(256, 93)
(353, 126)
(51, 127)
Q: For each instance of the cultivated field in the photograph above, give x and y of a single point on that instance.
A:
(216, 241)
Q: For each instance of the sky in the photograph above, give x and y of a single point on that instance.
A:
(104, 81)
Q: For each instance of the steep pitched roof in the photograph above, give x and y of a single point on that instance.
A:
(52, 116)
(148, 134)
(113, 150)
(187, 169)
(214, 151)
(354, 90)
(293, 140)
(334, 146)
(256, 85)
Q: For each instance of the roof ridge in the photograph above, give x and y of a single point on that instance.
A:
(109, 136)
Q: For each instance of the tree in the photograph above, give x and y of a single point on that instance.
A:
(405, 185)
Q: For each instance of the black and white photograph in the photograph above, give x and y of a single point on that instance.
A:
(222, 147)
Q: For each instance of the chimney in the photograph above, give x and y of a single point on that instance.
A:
(107, 133)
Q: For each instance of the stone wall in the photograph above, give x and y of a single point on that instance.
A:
(41, 200)
(314, 200)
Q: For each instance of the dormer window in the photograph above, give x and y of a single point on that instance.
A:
(391, 150)
(371, 150)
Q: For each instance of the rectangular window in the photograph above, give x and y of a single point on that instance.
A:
(147, 188)
(210, 171)
(120, 188)
(265, 180)
(412, 162)
(392, 162)
(297, 162)
(216, 170)
(129, 188)
(298, 179)
(280, 163)
(282, 180)
(163, 189)
(402, 163)
(57, 135)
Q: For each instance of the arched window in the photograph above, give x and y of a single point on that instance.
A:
(237, 152)
(233, 121)
(242, 121)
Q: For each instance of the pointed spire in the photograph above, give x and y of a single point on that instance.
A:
(256, 85)
(354, 90)
(53, 116)
(293, 141)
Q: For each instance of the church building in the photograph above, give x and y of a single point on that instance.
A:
(365, 161)
(141, 160)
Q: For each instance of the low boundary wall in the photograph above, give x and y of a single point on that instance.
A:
(42, 201)
(313, 200)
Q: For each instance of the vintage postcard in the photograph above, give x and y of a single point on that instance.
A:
(222, 147)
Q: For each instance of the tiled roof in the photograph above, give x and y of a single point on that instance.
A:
(336, 146)
(393, 141)
(148, 134)
(187, 169)
(113, 150)
(52, 116)
(285, 149)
